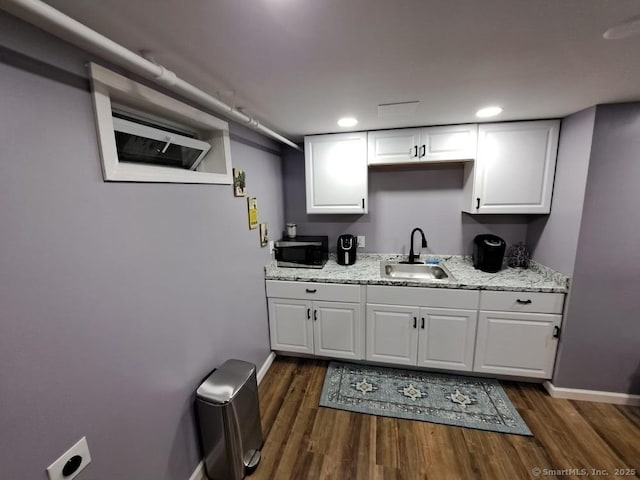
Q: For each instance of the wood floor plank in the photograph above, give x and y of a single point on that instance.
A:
(296, 443)
(412, 445)
(283, 424)
(305, 441)
(309, 465)
(315, 381)
(323, 428)
(631, 413)
(387, 442)
(611, 425)
(279, 378)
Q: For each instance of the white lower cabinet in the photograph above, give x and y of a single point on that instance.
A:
(522, 339)
(503, 333)
(316, 327)
(427, 337)
(447, 338)
(337, 329)
(289, 325)
(440, 335)
(391, 334)
(520, 344)
(330, 329)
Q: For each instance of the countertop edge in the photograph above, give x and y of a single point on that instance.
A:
(458, 286)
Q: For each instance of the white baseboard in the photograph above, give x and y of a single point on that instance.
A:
(592, 395)
(198, 473)
(265, 366)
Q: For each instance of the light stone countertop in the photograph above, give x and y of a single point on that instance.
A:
(366, 271)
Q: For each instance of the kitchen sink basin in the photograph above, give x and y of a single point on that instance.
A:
(414, 271)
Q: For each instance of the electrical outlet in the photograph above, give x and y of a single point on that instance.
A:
(361, 241)
(71, 463)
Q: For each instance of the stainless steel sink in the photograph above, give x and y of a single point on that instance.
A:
(414, 271)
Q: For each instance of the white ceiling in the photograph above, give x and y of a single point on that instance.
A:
(299, 65)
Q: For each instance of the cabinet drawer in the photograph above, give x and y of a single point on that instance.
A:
(419, 296)
(522, 301)
(332, 292)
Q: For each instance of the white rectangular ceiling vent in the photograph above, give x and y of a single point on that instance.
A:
(402, 108)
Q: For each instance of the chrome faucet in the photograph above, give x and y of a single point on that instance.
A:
(413, 256)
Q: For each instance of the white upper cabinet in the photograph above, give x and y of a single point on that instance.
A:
(449, 143)
(514, 169)
(388, 147)
(336, 173)
(418, 145)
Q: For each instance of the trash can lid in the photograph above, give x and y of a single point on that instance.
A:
(224, 383)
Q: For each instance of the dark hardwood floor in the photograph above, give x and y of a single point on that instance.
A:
(305, 441)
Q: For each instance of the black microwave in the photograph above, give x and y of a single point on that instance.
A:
(303, 251)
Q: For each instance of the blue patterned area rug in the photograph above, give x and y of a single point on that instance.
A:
(428, 397)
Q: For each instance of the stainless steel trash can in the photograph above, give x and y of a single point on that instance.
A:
(229, 418)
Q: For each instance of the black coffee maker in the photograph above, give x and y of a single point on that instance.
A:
(488, 252)
(346, 249)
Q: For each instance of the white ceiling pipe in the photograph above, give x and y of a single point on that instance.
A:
(57, 23)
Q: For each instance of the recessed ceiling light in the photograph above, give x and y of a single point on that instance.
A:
(488, 112)
(625, 29)
(347, 122)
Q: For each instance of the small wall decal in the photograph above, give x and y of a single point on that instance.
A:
(239, 182)
(264, 235)
(252, 204)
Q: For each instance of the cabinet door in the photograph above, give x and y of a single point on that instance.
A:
(336, 173)
(393, 146)
(449, 143)
(392, 334)
(447, 338)
(337, 329)
(515, 167)
(520, 344)
(290, 325)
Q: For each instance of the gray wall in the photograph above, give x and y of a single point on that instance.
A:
(116, 298)
(553, 238)
(401, 198)
(600, 349)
